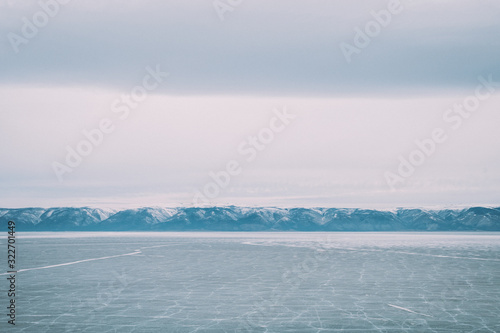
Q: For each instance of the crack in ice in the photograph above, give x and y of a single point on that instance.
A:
(408, 310)
(76, 262)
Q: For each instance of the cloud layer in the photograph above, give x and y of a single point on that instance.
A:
(284, 47)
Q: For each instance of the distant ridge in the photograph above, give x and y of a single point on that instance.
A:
(232, 218)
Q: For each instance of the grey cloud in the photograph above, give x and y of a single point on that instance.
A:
(279, 48)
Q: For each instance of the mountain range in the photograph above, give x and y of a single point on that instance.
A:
(232, 218)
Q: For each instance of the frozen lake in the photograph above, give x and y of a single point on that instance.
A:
(255, 282)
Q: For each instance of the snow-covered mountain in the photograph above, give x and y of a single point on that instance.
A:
(233, 218)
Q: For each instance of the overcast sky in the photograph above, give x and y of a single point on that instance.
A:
(354, 116)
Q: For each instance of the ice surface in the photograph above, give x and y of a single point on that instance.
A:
(256, 282)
